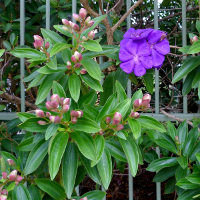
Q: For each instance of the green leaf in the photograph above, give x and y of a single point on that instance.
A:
(198, 25)
(116, 150)
(34, 192)
(36, 156)
(183, 162)
(164, 174)
(69, 168)
(58, 89)
(52, 188)
(58, 47)
(51, 131)
(171, 130)
(91, 171)
(74, 84)
(32, 125)
(61, 30)
(21, 192)
(92, 83)
(86, 125)
(188, 194)
(45, 88)
(187, 86)
(190, 142)
(131, 151)
(182, 133)
(121, 94)
(25, 116)
(52, 64)
(2, 107)
(186, 185)
(52, 36)
(85, 144)
(92, 68)
(94, 195)
(151, 123)
(195, 48)
(135, 127)
(56, 151)
(188, 65)
(194, 178)
(2, 52)
(137, 95)
(28, 53)
(148, 81)
(161, 163)
(92, 45)
(27, 144)
(105, 168)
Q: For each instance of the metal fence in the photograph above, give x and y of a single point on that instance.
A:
(157, 114)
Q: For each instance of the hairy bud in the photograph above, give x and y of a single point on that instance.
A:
(91, 35)
(117, 118)
(38, 41)
(87, 20)
(76, 17)
(80, 113)
(83, 13)
(47, 45)
(55, 119)
(108, 120)
(74, 120)
(75, 27)
(83, 71)
(55, 97)
(48, 105)
(65, 108)
(69, 65)
(4, 175)
(77, 65)
(19, 178)
(120, 127)
(194, 39)
(66, 101)
(147, 97)
(55, 104)
(65, 22)
(84, 38)
(10, 162)
(74, 113)
(39, 113)
(4, 192)
(134, 115)
(48, 114)
(137, 103)
(13, 175)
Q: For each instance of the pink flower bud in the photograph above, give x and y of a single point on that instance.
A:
(145, 104)
(77, 57)
(101, 132)
(13, 175)
(83, 71)
(108, 120)
(3, 197)
(90, 23)
(11, 162)
(48, 105)
(74, 120)
(75, 27)
(73, 59)
(4, 175)
(87, 20)
(76, 17)
(147, 97)
(48, 114)
(19, 178)
(117, 118)
(54, 104)
(85, 198)
(65, 22)
(47, 45)
(69, 65)
(77, 65)
(74, 113)
(84, 38)
(4, 192)
(80, 113)
(38, 44)
(194, 39)
(120, 127)
(134, 115)
(66, 101)
(42, 122)
(65, 108)
(83, 13)
(39, 113)
(55, 119)
(37, 37)
(137, 103)
(55, 97)
(91, 35)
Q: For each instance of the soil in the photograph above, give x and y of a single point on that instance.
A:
(144, 188)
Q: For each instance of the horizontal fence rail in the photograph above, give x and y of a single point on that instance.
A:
(161, 117)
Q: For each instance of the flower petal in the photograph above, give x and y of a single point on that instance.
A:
(129, 33)
(127, 66)
(155, 36)
(158, 58)
(139, 69)
(147, 61)
(125, 55)
(162, 47)
(143, 48)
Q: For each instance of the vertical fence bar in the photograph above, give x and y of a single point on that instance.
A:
(22, 31)
(48, 27)
(158, 185)
(184, 43)
(130, 178)
(74, 10)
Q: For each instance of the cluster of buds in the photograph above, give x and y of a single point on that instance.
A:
(56, 104)
(115, 123)
(11, 177)
(194, 39)
(3, 194)
(75, 115)
(39, 43)
(76, 59)
(140, 105)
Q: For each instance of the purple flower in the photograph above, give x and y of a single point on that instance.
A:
(142, 49)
